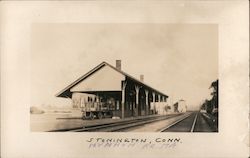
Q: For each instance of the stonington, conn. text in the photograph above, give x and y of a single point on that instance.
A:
(143, 143)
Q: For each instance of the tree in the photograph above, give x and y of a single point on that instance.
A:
(210, 105)
(215, 95)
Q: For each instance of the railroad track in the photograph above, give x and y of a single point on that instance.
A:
(186, 124)
(121, 125)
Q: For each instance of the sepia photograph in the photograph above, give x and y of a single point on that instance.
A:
(117, 79)
(133, 78)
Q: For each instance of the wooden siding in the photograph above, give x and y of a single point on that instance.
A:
(105, 79)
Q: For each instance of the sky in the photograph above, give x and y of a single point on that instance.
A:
(180, 60)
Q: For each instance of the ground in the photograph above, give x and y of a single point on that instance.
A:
(60, 120)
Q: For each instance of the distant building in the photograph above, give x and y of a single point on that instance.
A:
(180, 106)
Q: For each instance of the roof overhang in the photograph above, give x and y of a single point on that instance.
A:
(66, 93)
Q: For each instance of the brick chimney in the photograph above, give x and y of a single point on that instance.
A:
(142, 78)
(119, 64)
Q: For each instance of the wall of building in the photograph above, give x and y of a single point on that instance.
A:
(78, 99)
(105, 79)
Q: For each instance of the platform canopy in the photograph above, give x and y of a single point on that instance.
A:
(105, 78)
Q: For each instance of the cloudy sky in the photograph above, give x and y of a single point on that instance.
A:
(180, 60)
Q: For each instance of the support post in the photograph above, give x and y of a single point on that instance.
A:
(123, 97)
(98, 102)
(137, 88)
(154, 101)
(146, 92)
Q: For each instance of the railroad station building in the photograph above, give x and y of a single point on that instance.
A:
(121, 93)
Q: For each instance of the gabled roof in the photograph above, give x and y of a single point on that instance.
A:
(66, 91)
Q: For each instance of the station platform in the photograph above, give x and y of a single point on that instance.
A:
(61, 121)
(95, 122)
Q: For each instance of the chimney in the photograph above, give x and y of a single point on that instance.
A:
(142, 78)
(119, 64)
